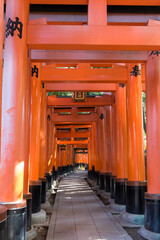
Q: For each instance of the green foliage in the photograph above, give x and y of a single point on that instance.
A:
(69, 94)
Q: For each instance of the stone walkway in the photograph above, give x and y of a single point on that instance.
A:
(78, 213)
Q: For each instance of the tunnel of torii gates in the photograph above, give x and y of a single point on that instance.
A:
(39, 141)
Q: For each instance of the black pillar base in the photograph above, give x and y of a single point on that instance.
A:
(135, 197)
(44, 189)
(60, 171)
(89, 174)
(107, 182)
(120, 191)
(97, 177)
(101, 181)
(16, 221)
(93, 173)
(55, 175)
(3, 223)
(49, 180)
(152, 212)
(35, 187)
(28, 198)
(112, 185)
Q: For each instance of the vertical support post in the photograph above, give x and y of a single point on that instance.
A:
(35, 184)
(48, 163)
(121, 143)
(136, 184)
(101, 145)
(12, 151)
(1, 57)
(97, 12)
(26, 144)
(114, 149)
(3, 210)
(107, 120)
(152, 196)
(98, 163)
(43, 132)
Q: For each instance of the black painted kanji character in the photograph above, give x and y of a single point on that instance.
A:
(42, 85)
(12, 26)
(35, 70)
(122, 85)
(101, 116)
(154, 53)
(136, 71)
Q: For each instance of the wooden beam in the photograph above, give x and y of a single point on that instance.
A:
(120, 38)
(71, 142)
(109, 2)
(80, 56)
(73, 126)
(93, 117)
(106, 100)
(81, 109)
(86, 74)
(74, 135)
(86, 87)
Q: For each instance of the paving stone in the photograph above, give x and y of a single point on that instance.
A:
(78, 214)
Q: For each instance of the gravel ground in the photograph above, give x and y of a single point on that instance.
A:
(133, 232)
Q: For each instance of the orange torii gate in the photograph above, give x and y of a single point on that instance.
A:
(96, 36)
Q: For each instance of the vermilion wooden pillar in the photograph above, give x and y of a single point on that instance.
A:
(152, 197)
(114, 151)
(92, 163)
(43, 133)
(51, 148)
(49, 135)
(12, 151)
(94, 144)
(1, 56)
(35, 184)
(121, 145)
(136, 185)
(102, 147)
(3, 210)
(26, 137)
(54, 153)
(97, 12)
(108, 126)
(98, 161)
(49, 159)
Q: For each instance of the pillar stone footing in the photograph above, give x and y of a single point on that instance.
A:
(135, 192)
(106, 194)
(31, 234)
(16, 220)
(148, 234)
(137, 219)
(117, 207)
(3, 223)
(38, 218)
(46, 207)
(35, 189)
(28, 198)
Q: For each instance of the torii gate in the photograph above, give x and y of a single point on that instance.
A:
(96, 36)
